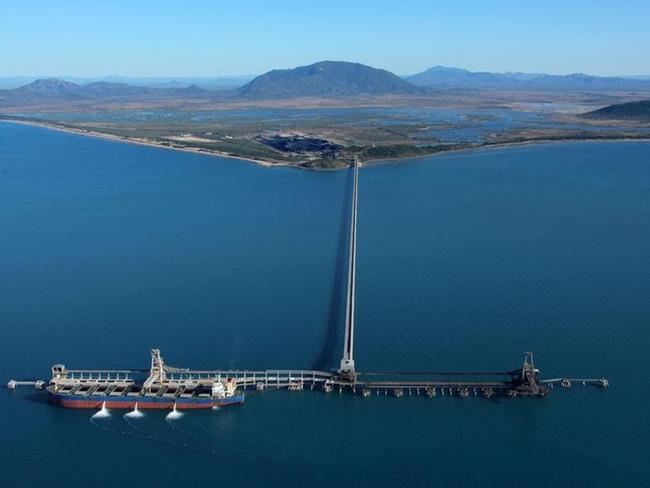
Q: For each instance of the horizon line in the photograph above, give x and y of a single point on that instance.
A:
(247, 75)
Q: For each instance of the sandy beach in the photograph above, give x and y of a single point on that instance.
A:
(271, 164)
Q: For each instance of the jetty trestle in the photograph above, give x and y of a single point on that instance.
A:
(347, 368)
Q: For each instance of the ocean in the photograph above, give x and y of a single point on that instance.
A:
(465, 261)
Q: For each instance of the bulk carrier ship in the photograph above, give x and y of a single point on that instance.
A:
(164, 388)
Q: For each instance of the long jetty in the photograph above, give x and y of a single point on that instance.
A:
(524, 381)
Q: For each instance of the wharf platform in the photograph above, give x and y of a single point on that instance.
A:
(521, 382)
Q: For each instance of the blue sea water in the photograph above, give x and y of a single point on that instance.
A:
(465, 262)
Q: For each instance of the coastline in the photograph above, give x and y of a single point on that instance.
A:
(499, 145)
(271, 164)
(140, 142)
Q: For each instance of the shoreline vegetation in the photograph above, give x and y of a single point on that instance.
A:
(368, 155)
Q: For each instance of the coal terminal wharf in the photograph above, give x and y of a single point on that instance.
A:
(165, 387)
(175, 388)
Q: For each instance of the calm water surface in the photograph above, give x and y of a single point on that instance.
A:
(465, 261)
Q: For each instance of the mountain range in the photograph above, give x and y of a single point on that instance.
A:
(444, 77)
(55, 90)
(325, 79)
(206, 82)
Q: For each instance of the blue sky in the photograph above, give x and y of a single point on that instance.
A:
(203, 38)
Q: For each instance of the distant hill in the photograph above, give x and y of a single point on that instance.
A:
(48, 88)
(327, 79)
(638, 111)
(205, 82)
(441, 76)
(53, 90)
(579, 81)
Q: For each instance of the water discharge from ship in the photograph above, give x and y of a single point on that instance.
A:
(174, 414)
(102, 413)
(135, 413)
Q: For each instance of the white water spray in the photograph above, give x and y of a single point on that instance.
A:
(103, 412)
(135, 413)
(174, 414)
